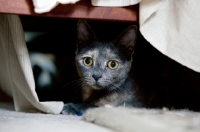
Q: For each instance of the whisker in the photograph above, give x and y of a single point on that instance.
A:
(78, 91)
(118, 89)
(73, 88)
(75, 81)
(70, 75)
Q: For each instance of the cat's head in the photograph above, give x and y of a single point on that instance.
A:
(104, 65)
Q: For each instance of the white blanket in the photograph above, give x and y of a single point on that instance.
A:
(12, 121)
(144, 120)
(111, 120)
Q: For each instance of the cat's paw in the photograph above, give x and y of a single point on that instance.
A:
(75, 109)
(70, 109)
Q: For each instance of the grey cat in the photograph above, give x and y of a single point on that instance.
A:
(104, 69)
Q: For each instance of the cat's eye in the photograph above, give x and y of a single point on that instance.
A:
(112, 64)
(87, 61)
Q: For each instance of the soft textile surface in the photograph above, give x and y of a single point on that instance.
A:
(16, 77)
(114, 2)
(42, 6)
(11, 121)
(104, 119)
(143, 120)
(173, 27)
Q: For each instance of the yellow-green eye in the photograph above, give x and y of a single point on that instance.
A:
(87, 61)
(112, 64)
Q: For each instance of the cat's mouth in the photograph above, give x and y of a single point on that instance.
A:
(98, 86)
(102, 86)
(93, 84)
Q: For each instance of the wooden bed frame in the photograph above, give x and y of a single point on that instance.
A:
(81, 10)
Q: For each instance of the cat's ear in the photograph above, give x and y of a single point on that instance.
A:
(85, 35)
(126, 41)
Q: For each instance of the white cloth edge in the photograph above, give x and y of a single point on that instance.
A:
(113, 3)
(19, 77)
(42, 6)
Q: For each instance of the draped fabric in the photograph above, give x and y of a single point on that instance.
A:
(42, 6)
(16, 77)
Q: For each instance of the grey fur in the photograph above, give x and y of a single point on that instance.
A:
(101, 54)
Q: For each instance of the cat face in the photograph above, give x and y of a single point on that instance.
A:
(103, 65)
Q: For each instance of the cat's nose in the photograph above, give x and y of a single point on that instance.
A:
(96, 76)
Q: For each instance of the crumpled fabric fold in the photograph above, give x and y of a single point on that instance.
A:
(42, 6)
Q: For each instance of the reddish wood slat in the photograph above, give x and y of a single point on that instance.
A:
(82, 9)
